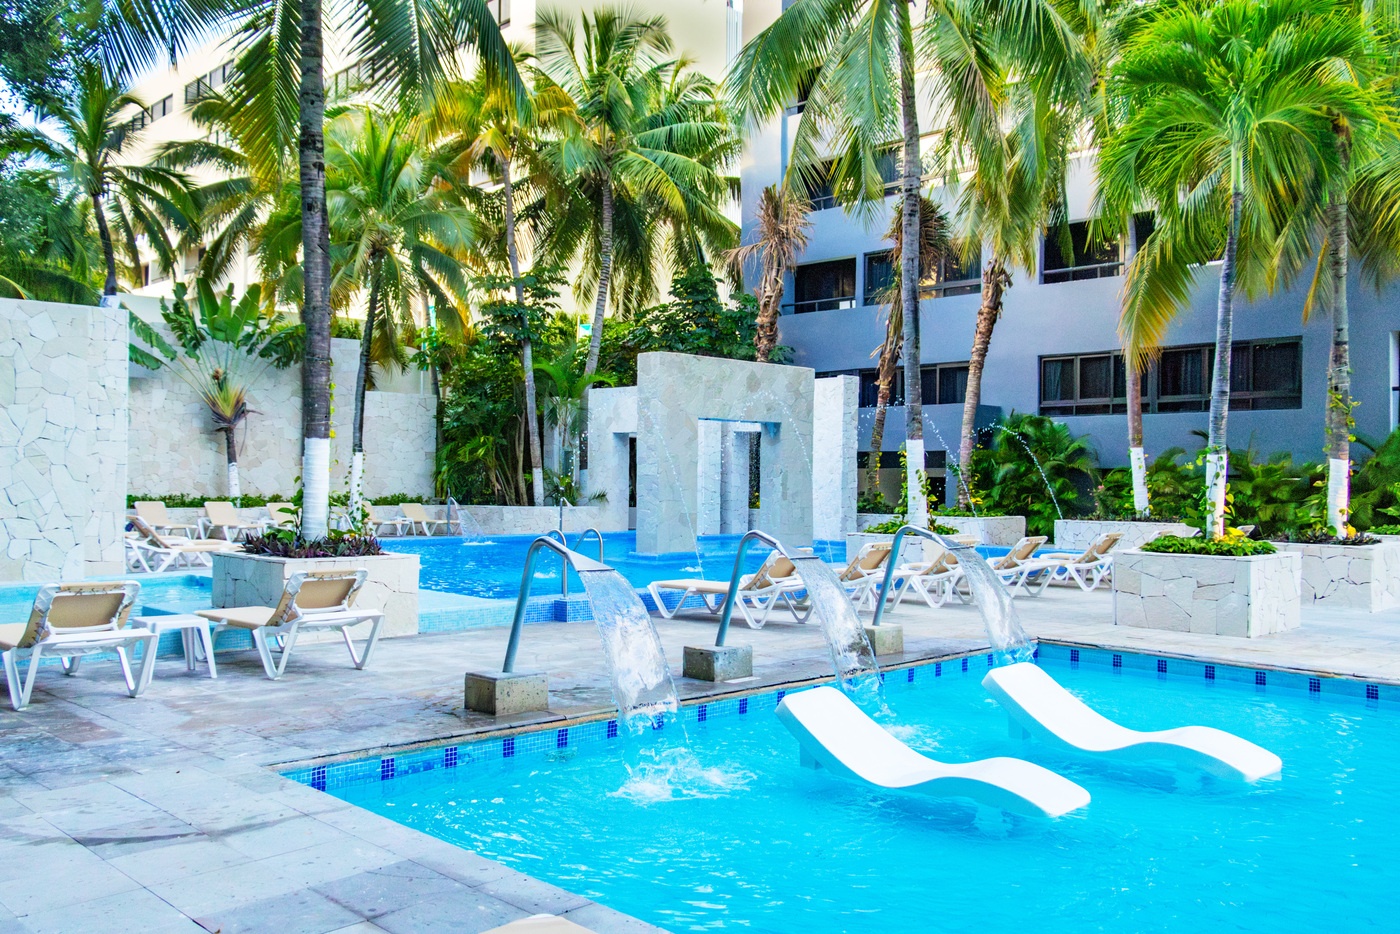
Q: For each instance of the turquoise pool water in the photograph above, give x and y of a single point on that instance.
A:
(493, 568)
(720, 829)
(173, 593)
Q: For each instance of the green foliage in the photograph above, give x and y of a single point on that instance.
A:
(1234, 547)
(1385, 529)
(1326, 537)
(873, 501)
(1033, 463)
(191, 501)
(510, 322)
(481, 456)
(286, 543)
(1375, 485)
(47, 250)
(564, 487)
(890, 526)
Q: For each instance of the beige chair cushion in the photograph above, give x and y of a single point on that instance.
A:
(240, 617)
(11, 634)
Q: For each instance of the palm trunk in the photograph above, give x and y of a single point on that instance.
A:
(917, 505)
(1217, 454)
(357, 445)
(766, 326)
(109, 253)
(889, 359)
(316, 306)
(1138, 461)
(995, 281)
(1339, 402)
(595, 340)
(235, 489)
(527, 350)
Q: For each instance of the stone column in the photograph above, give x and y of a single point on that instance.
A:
(709, 437)
(734, 480)
(835, 441)
(612, 418)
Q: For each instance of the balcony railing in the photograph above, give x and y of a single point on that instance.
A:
(1077, 273)
(820, 304)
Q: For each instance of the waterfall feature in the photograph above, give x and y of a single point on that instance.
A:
(851, 652)
(461, 519)
(641, 679)
(1010, 644)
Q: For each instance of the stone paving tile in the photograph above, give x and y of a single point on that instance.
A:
(393, 888)
(129, 837)
(305, 912)
(269, 839)
(136, 910)
(603, 920)
(482, 913)
(532, 895)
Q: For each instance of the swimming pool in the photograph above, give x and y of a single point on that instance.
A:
(742, 837)
(160, 593)
(492, 568)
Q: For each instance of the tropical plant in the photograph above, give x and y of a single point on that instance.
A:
(279, 87)
(694, 321)
(83, 141)
(1233, 546)
(46, 252)
(1229, 108)
(934, 247)
(643, 147)
(781, 226)
(481, 457)
(404, 236)
(221, 349)
(1037, 468)
(565, 401)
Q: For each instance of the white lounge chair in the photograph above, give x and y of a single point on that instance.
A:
(1044, 709)
(152, 552)
(837, 735)
(154, 514)
(932, 579)
(1087, 569)
(311, 601)
(758, 595)
(223, 516)
(69, 621)
(282, 515)
(418, 518)
(1007, 567)
(379, 517)
(861, 575)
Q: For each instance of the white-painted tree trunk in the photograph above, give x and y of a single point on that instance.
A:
(1217, 472)
(1138, 460)
(1338, 496)
(235, 490)
(357, 479)
(315, 487)
(917, 506)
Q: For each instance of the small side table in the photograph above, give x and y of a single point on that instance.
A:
(194, 635)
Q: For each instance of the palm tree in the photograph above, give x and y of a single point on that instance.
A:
(934, 247)
(1317, 233)
(404, 236)
(857, 61)
(410, 48)
(781, 226)
(46, 252)
(1228, 107)
(83, 140)
(645, 154)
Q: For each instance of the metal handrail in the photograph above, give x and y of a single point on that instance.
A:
(584, 535)
(893, 561)
(570, 559)
(564, 566)
(733, 594)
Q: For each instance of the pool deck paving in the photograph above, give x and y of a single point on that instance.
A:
(165, 812)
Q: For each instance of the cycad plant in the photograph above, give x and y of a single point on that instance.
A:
(1228, 108)
(84, 140)
(221, 349)
(644, 150)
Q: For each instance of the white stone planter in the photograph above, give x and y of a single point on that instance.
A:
(392, 586)
(866, 519)
(1224, 596)
(1078, 534)
(991, 530)
(1366, 577)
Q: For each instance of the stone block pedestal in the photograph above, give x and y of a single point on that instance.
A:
(886, 639)
(1078, 534)
(992, 530)
(717, 662)
(503, 694)
(1366, 577)
(1225, 596)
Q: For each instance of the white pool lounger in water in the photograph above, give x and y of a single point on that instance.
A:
(837, 735)
(1046, 710)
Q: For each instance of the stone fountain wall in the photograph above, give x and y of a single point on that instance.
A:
(63, 440)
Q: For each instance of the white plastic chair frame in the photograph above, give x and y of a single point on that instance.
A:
(417, 517)
(57, 627)
(758, 595)
(330, 608)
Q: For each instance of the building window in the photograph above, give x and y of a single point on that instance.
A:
(1143, 225)
(151, 114)
(500, 9)
(879, 276)
(870, 388)
(824, 286)
(349, 80)
(208, 83)
(958, 274)
(820, 193)
(943, 384)
(1087, 258)
(1263, 375)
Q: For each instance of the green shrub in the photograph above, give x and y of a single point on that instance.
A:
(1325, 537)
(284, 543)
(1385, 530)
(891, 526)
(1032, 464)
(1235, 547)
(188, 501)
